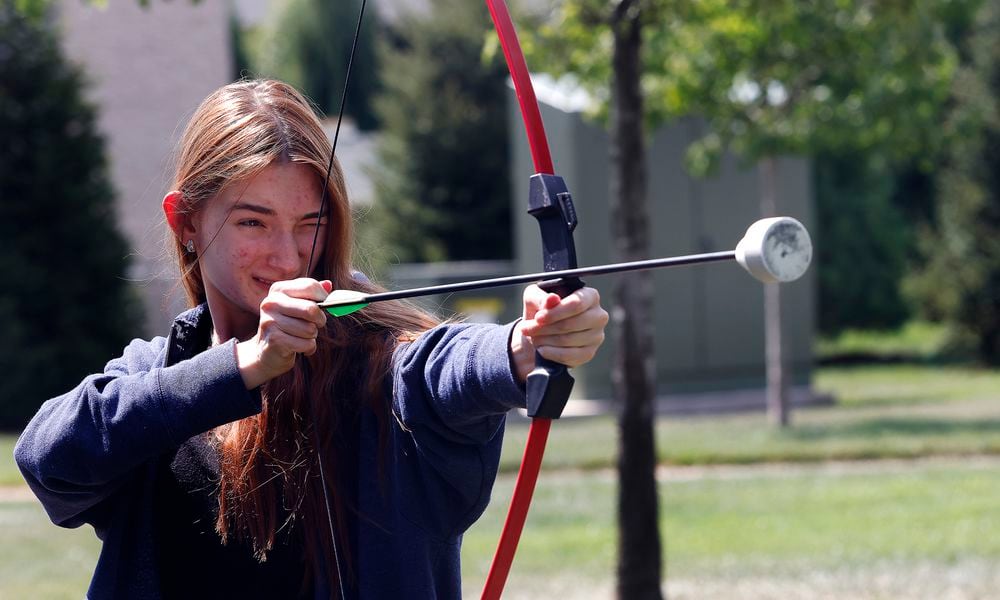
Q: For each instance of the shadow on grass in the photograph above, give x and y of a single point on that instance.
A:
(895, 426)
(875, 359)
(931, 397)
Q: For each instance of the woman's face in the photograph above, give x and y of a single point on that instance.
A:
(254, 233)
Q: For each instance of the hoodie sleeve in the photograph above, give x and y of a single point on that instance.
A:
(452, 388)
(457, 381)
(81, 446)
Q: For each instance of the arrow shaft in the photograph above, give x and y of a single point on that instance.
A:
(639, 265)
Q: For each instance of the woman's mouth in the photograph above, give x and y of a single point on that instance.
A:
(264, 283)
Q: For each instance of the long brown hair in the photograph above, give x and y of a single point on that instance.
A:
(269, 483)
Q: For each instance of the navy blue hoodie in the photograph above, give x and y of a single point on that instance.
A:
(91, 455)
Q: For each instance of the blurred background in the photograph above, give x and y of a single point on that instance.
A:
(837, 439)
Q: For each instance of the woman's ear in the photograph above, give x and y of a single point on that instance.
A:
(172, 210)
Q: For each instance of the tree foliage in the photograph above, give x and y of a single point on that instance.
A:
(849, 78)
(863, 244)
(774, 76)
(65, 300)
(961, 282)
(443, 190)
(242, 65)
(308, 45)
(862, 85)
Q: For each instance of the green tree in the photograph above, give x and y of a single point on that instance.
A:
(65, 300)
(242, 66)
(794, 93)
(771, 77)
(308, 45)
(864, 243)
(443, 190)
(961, 282)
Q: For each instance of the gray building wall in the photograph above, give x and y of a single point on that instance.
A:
(708, 319)
(148, 69)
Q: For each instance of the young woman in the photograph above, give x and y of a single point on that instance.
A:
(261, 449)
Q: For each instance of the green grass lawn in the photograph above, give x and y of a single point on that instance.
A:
(881, 412)
(782, 520)
(915, 341)
(783, 526)
(9, 475)
(721, 529)
(40, 560)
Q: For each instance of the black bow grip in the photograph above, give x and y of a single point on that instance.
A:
(549, 385)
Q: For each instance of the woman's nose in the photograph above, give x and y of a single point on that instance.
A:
(285, 256)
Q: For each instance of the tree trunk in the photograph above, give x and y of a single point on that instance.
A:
(778, 412)
(639, 554)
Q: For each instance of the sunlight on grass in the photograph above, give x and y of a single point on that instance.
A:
(930, 512)
(731, 526)
(874, 386)
(727, 528)
(40, 560)
(881, 412)
(9, 474)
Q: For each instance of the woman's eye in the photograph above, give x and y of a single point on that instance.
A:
(250, 223)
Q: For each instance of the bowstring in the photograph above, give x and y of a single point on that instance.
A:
(312, 252)
(336, 133)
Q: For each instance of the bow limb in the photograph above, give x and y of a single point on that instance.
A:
(549, 385)
(522, 86)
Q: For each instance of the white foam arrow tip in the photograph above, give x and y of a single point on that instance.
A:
(777, 249)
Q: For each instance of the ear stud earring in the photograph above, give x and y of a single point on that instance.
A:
(189, 246)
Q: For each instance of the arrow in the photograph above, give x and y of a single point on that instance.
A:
(345, 302)
(773, 250)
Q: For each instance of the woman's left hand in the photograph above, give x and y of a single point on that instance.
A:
(565, 330)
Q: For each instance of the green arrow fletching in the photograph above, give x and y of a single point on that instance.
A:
(344, 302)
(343, 310)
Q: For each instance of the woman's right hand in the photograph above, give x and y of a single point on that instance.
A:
(290, 322)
